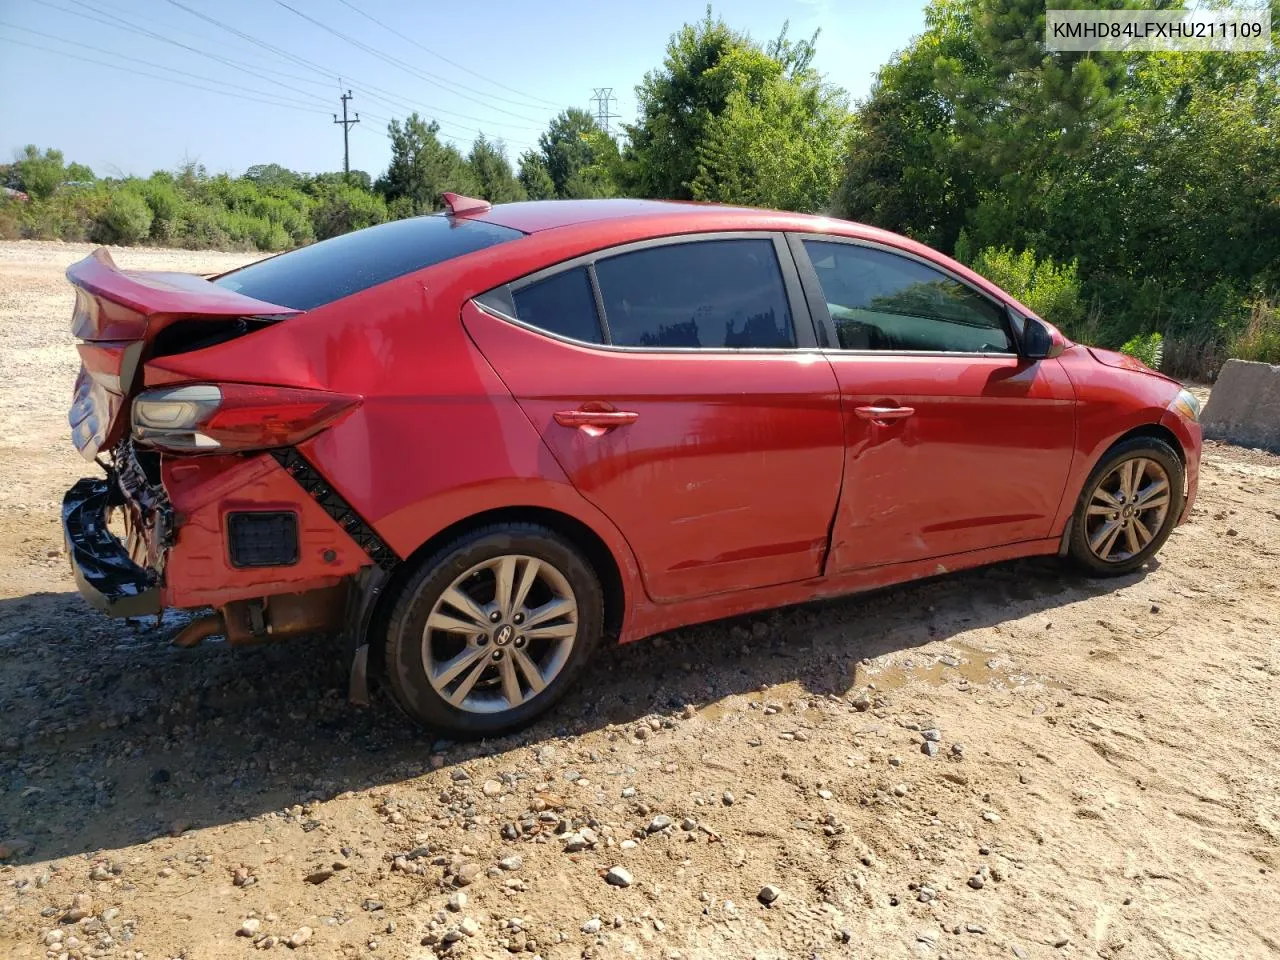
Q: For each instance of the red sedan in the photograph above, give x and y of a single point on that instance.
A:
(483, 442)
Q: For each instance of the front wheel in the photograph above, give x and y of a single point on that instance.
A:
(492, 629)
(1128, 508)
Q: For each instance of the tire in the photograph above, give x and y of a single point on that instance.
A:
(1138, 463)
(506, 643)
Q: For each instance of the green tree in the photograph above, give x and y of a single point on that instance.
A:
(706, 64)
(782, 148)
(576, 151)
(79, 173)
(533, 176)
(40, 174)
(422, 168)
(492, 171)
(272, 175)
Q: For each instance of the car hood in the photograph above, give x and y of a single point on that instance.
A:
(1123, 361)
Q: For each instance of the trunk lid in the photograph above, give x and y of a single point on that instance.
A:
(122, 317)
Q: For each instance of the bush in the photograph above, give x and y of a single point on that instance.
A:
(1149, 348)
(1050, 289)
(1260, 339)
(126, 220)
(344, 209)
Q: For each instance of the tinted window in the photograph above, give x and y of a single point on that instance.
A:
(323, 272)
(710, 293)
(562, 304)
(882, 301)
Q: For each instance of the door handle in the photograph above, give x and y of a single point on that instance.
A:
(596, 422)
(884, 413)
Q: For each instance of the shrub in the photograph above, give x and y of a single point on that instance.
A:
(126, 219)
(343, 209)
(1149, 348)
(1050, 289)
(1260, 339)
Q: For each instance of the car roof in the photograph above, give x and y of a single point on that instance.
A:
(630, 219)
(534, 216)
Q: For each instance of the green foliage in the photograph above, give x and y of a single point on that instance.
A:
(126, 220)
(422, 168)
(575, 156)
(781, 148)
(40, 174)
(1157, 174)
(1050, 289)
(534, 177)
(1147, 347)
(492, 171)
(342, 209)
(1260, 339)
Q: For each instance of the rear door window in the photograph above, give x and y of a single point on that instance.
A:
(312, 276)
(714, 294)
(562, 304)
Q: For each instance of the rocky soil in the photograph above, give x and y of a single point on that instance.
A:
(1013, 762)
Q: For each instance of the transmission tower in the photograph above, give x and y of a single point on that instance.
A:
(602, 105)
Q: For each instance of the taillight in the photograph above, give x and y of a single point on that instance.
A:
(232, 417)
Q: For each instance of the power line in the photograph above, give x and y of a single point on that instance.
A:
(538, 101)
(195, 76)
(157, 76)
(125, 25)
(378, 93)
(395, 61)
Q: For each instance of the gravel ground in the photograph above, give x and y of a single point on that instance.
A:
(1017, 761)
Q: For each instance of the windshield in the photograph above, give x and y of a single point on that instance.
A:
(310, 277)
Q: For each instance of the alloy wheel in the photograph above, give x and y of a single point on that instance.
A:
(500, 634)
(1127, 509)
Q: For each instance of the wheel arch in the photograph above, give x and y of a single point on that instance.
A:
(1152, 429)
(578, 533)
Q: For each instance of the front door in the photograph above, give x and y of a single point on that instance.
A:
(694, 409)
(954, 442)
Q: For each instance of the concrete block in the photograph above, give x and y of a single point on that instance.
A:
(1244, 405)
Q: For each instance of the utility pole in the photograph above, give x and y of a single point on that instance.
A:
(346, 129)
(603, 101)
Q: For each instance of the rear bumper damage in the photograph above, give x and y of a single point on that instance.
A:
(105, 573)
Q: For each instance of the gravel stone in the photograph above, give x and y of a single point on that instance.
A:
(618, 877)
(299, 937)
(658, 823)
(249, 928)
(768, 894)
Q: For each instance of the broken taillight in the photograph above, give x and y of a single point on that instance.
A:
(233, 417)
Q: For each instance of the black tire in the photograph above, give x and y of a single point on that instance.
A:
(1148, 448)
(406, 672)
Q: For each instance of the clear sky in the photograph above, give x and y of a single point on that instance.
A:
(514, 66)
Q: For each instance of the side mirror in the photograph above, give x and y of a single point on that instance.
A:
(1040, 341)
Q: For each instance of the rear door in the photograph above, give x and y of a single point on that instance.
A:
(954, 442)
(678, 384)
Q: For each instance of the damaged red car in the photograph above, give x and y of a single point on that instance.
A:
(483, 442)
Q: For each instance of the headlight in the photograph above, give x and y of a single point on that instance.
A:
(1186, 404)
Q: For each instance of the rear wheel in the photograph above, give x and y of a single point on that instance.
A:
(491, 630)
(1128, 508)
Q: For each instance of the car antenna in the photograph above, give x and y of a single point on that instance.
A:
(456, 205)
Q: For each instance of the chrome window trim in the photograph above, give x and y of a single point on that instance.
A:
(618, 348)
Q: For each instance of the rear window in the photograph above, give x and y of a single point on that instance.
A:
(310, 277)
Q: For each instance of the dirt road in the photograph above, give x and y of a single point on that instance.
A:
(1105, 781)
